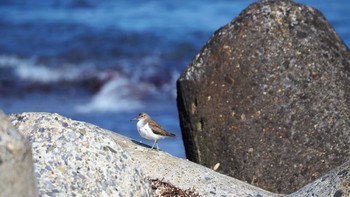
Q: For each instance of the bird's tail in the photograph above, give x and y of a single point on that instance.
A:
(171, 135)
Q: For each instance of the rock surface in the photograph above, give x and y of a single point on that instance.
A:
(16, 163)
(72, 158)
(268, 97)
(77, 158)
(335, 183)
(176, 175)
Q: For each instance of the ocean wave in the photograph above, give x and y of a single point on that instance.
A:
(30, 70)
(122, 94)
(112, 89)
(119, 94)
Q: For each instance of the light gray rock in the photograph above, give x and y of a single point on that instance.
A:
(78, 159)
(186, 174)
(16, 164)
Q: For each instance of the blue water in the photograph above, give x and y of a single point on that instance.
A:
(103, 62)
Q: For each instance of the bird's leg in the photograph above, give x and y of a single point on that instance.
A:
(155, 142)
(157, 145)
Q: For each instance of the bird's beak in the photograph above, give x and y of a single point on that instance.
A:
(134, 119)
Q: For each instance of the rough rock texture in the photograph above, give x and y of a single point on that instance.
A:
(268, 97)
(16, 163)
(78, 159)
(169, 174)
(335, 183)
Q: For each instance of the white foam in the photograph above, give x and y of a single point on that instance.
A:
(131, 91)
(28, 69)
(117, 95)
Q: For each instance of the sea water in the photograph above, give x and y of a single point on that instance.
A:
(103, 62)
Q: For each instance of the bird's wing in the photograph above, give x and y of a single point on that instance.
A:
(157, 129)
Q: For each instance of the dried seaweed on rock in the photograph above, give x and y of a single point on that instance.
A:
(163, 189)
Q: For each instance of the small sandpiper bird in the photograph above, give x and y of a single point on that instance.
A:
(150, 130)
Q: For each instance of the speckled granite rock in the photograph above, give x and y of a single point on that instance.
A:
(268, 97)
(73, 157)
(16, 163)
(78, 159)
(188, 175)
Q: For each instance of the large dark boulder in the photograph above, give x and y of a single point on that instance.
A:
(268, 97)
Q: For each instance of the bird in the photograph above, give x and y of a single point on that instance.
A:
(151, 130)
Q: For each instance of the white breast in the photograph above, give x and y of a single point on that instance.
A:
(146, 132)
